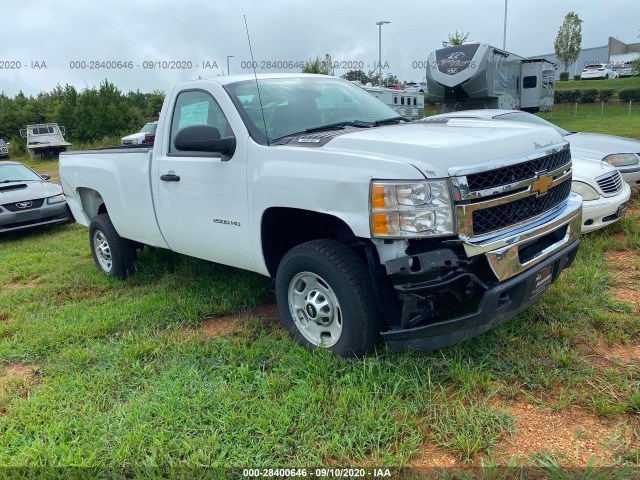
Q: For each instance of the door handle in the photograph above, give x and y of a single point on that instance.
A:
(170, 177)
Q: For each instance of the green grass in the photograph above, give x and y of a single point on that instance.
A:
(614, 119)
(614, 84)
(118, 382)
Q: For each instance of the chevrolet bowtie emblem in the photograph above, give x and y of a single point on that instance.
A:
(542, 184)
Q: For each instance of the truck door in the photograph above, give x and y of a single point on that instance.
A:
(201, 200)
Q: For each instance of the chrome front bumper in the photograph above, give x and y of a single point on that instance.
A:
(504, 251)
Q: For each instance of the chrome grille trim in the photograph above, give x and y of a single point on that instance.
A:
(464, 213)
(610, 184)
(508, 161)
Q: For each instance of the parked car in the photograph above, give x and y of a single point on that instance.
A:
(621, 152)
(146, 135)
(626, 70)
(28, 200)
(604, 193)
(420, 87)
(4, 148)
(374, 227)
(598, 71)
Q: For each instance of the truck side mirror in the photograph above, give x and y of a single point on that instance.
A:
(204, 138)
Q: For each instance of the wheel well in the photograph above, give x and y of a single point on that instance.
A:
(284, 228)
(92, 202)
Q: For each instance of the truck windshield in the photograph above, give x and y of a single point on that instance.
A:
(297, 104)
(149, 128)
(17, 173)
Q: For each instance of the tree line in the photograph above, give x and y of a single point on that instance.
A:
(88, 115)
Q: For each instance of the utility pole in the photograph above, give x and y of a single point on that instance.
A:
(380, 23)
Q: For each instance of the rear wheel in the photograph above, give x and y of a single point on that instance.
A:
(113, 255)
(326, 299)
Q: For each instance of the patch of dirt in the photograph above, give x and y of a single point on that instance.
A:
(233, 325)
(79, 293)
(217, 327)
(571, 434)
(19, 285)
(627, 287)
(16, 371)
(618, 355)
(16, 380)
(430, 457)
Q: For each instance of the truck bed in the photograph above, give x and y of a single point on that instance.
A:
(122, 175)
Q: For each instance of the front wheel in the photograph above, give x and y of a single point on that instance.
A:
(326, 298)
(113, 255)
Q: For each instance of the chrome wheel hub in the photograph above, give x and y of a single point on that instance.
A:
(103, 251)
(315, 309)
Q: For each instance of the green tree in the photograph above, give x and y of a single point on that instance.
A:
(456, 38)
(321, 66)
(359, 75)
(569, 40)
(392, 80)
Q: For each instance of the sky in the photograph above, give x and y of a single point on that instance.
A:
(78, 42)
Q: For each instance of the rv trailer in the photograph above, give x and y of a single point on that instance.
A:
(478, 75)
(407, 104)
(45, 140)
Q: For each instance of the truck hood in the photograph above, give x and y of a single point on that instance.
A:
(433, 148)
(599, 146)
(22, 191)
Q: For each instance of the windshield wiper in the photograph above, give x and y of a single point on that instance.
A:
(11, 181)
(347, 123)
(392, 120)
(331, 126)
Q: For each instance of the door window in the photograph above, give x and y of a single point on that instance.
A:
(196, 107)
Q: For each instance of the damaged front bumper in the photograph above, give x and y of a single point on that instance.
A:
(521, 266)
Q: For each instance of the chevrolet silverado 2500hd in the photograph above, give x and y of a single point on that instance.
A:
(373, 227)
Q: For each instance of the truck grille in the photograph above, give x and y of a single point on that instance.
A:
(518, 172)
(491, 200)
(13, 207)
(496, 218)
(611, 183)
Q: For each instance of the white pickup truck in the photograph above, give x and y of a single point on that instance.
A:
(374, 228)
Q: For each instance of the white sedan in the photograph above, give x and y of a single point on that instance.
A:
(604, 192)
(598, 71)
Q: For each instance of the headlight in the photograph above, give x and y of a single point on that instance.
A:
(622, 159)
(57, 199)
(587, 192)
(415, 209)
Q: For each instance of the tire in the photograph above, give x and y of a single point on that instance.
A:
(113, 255)
(326, 299)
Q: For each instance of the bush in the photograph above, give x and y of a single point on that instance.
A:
(629, 94)
(589, 95)
(606, 94)
(576, 77)
(564, 76)
(566, 96)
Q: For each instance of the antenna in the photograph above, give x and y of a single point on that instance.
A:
(253, 63)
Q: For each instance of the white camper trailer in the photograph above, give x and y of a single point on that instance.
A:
(478, 75)
(407, 104)
(45, 140)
